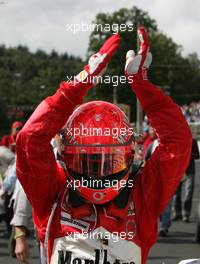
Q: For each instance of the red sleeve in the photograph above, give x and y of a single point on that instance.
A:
(36, 165)
(163, 171)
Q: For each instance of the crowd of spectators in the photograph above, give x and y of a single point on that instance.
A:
(192, 112)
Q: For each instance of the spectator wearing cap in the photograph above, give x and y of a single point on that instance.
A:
(9, 140)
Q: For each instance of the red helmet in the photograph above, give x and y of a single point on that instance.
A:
(98, 150)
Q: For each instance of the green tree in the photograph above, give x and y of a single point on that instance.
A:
(169, 69)
(133, 16)
(26, 78)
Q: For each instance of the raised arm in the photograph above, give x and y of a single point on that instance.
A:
(163, 171)
(36, 165)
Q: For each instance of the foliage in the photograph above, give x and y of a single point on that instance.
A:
(170, 70)
(26, 77)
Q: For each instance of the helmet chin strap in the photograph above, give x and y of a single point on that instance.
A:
(118, 207)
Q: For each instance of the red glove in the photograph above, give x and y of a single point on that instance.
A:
(75, 90)
(96, 65)
(136, 66)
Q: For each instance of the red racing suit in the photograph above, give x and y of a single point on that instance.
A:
(45, 182)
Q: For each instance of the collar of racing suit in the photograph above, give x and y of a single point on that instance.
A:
(117, 208)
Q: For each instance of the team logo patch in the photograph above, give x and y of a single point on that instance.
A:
(66, 257)
(91, 248)
(98, 196)
(82, 76)
(67, 220)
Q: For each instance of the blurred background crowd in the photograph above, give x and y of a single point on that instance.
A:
(192, 112)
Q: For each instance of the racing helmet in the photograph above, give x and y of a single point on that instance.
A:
(98, 150)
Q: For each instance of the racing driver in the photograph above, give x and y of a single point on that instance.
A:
(97, 207)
